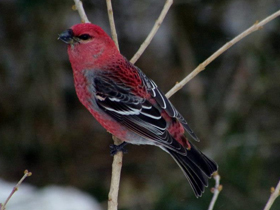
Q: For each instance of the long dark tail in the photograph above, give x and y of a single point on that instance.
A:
(196, 167)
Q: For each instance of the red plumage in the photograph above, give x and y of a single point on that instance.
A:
(128, 104)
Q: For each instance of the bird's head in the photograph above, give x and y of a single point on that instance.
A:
(88, 44)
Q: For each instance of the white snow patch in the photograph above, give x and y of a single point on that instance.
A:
(47, 198)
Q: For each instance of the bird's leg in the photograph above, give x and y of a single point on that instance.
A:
(115, 148)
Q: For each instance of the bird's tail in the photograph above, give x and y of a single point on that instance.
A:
(196, 167)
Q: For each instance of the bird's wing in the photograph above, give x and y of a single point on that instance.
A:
(136, 113)
(165, 104)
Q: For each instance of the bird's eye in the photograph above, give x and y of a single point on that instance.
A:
(84, 36)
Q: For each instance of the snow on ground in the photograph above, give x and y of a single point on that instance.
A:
(48, 198)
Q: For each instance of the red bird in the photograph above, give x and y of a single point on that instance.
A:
(128, 104)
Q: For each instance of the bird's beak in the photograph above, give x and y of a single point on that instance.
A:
(67, 36)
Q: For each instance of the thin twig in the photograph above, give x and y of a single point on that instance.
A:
(201, 67)
(216, 190)
(79, 7)
(26, 174)
(275, 192)
(112, 23)
(151, 35)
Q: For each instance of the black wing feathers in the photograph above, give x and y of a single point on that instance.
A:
(165, 103)
(137, 114)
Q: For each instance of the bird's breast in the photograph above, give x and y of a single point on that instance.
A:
(87, 95)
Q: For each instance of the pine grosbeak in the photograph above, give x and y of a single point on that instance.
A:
(130, 105)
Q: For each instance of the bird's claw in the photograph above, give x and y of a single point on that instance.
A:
(114, 149)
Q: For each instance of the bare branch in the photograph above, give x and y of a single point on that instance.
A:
(115, 179)
(79, 7)
(216, 190)
(26, 174)
(117, 161)
(112, 23)
(151, 35)
(275, 192)
(202, 66)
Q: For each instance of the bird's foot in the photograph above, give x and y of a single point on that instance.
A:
(115, 148)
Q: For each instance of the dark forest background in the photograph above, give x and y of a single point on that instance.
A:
(233, 106)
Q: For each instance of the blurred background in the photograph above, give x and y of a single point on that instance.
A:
(233, 106)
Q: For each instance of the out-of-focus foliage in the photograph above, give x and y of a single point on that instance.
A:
(234, 105)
